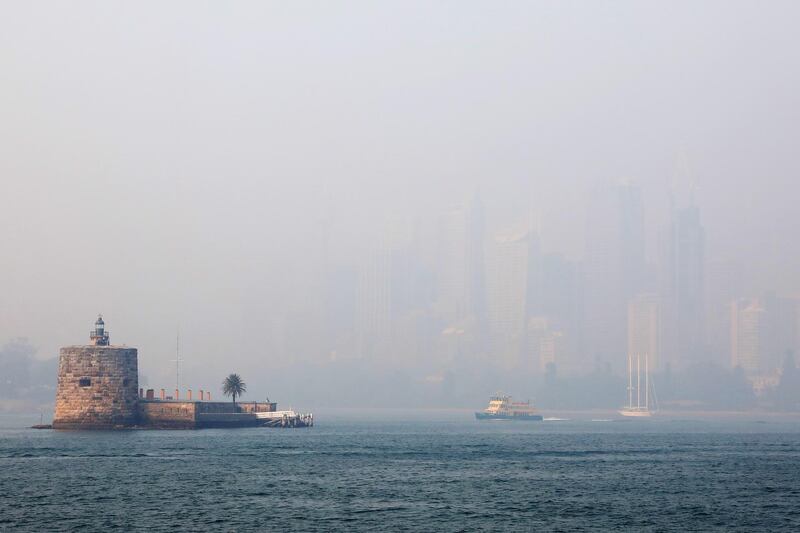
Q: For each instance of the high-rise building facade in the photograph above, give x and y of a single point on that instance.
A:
(781, 326)
(748, 336)
(460, 280)
(562, 302)
(506, 288)
(723, 282)
(764, 331)
(614, 267)
(373, 313)
(683, 289)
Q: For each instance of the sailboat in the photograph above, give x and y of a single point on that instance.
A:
(638, 409)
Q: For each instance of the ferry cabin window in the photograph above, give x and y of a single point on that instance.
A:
(85, 382)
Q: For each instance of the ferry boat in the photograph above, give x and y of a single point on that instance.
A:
(504, 408)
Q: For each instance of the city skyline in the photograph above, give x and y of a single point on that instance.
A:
(458, 290)
(300, 190)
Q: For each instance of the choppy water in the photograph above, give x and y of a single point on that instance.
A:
(444, 473)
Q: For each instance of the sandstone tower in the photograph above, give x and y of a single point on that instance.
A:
(97, 384)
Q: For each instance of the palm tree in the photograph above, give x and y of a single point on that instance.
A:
(234, 386)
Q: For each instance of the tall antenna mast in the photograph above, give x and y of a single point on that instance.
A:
(178, 358)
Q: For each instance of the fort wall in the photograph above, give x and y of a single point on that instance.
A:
(168, 414)
(177, 414)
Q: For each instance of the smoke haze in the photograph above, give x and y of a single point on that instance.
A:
(405, 203)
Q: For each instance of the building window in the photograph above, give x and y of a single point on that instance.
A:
(85, 382)
(125, 382)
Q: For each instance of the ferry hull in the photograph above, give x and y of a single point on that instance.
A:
(526, 418)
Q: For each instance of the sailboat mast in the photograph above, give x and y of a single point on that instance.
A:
(178, 358)
(630, 382)
(638, 382)
(646, 382)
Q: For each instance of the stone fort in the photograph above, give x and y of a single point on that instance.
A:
(98, 388)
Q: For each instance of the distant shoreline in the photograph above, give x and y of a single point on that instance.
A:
(27, 411)
(576, 414)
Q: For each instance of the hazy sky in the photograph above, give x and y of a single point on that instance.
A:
(173, 162)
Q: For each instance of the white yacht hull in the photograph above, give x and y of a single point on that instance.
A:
(639, 413)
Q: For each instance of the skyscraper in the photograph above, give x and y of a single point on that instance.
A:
(614, 267)
(683, 275)
(562, 302)
(724, 280)
(374, 304)
(781, 327)
(747, 336)
(461, 288)
(763, 332)
(506, 289)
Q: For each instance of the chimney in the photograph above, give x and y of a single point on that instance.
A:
(150, 394)
(208, 396)
(201, 395)
(189, 394)
(141, 393)
(177, 394)
(163, 394)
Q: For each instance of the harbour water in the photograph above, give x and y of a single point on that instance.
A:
(439, 471)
